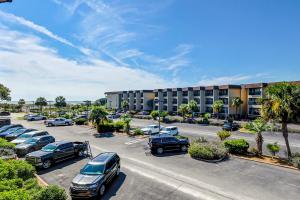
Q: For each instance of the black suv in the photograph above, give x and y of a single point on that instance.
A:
(94, 176)
(164, 142)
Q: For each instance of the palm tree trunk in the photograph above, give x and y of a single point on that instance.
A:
(285, 135)
(259, 142)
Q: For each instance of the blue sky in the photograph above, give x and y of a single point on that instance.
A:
(82, 48)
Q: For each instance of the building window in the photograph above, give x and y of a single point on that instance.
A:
(196, 93)
(156, 108)
(142, 107)
(174, 93)
(174, 109)
(253, 101)
(209, 93)
(174, 101)
(224, 110)
(209, 101)
(156, 94)
(185, 93)
(134, 107)
(142, 100)
(197, 100)
(142, 94)
(185, 100)
(223, 92)
(209, 109)
(134, 101)
(165, 101)
(254, 111)
(165, 94)
(225, 100)
(255, 91)
(165, 108)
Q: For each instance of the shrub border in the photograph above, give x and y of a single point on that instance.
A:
(212, 161)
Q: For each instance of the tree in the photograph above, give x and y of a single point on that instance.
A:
(217, 106)
(125, 105)
(4, 93)
(236, 102)
(126, 119)
(41, 101)
(60, 102)
(193, 107)
(283, 105)
(184, 110)
(21, 103)
(258, 126)
(98, 116)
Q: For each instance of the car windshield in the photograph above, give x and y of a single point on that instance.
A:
(49, 148)
(26, 136)
(93, 169)
(19, 131)
(31, 141)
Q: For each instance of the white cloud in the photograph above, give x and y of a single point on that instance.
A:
(31, 69)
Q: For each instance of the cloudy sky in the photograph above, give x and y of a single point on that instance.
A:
(82, 48)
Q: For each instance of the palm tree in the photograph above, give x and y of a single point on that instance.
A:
(183, 110)
(236, 102)
(282, 104)
(217, 106)
(258, 126)
(41, 101)
(4, 93)
(126, 119)
(193, 107)
(125, 105)
(98, 116)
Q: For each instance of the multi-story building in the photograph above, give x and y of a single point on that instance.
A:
(170, 99)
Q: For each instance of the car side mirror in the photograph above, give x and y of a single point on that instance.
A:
(107, 171)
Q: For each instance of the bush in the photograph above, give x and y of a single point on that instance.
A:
(6, 145)
(106, 127)
(16, 169)
(200, 140)
(51, 192)
(273, 148)
(223, 135)
(237, 146)
(154, 114)
(207, 151)
(15, 195)
(80, 121)
(138, 132)
(181, 137)
(119, 125)
(296, 160)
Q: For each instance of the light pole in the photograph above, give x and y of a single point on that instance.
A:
(159, 101)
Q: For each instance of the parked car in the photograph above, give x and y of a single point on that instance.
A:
(9, 131)
(22, 138)
(151, 129)
(81, 117)
(56, 152)
(33, 144)
(165, 142)
(36, 117)
(230, 126)
(58, 122)
(4, 113)
(171, 130)
(95, 176)
(6, 127)
(17, 133)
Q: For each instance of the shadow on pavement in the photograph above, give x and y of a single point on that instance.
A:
(104, 135)
(165, 154)
(60, 165)
(114, 186)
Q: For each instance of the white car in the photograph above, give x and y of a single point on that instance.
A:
(151, 129)
(58, 122)
(35, 117)
(171, 130)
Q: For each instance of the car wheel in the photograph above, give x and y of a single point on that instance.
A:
(50, 124)
(102, 190)
(67, 124)
(160, 150)
(184, 148)
(47, 164)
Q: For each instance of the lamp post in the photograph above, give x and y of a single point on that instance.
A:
(159, 101)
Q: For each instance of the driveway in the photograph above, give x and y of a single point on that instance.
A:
(172, 176)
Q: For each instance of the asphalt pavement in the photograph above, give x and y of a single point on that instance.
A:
(173, 175)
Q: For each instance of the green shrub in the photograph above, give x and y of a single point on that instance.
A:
(80, 121)
(207, 151)
(138, 131)
(105, 127)
(200, 140)
(51, 192)
(273, 148)
(237, 146)
(10, 184)
(6, 145)
(16, 169)
(296, 161)
(223, 135)
(19, 194)
(181, 137)
(119, 125)
(154, 114)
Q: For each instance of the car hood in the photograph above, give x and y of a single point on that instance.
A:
(18, 141)
(164, 132)
(24, 146)
(82, 179)
(39, 153)
(145, 129)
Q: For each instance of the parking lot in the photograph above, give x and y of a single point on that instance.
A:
(173, 175)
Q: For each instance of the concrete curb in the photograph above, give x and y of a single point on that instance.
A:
(41, 181)
(278, 165)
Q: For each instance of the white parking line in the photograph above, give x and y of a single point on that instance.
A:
(134, 141)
